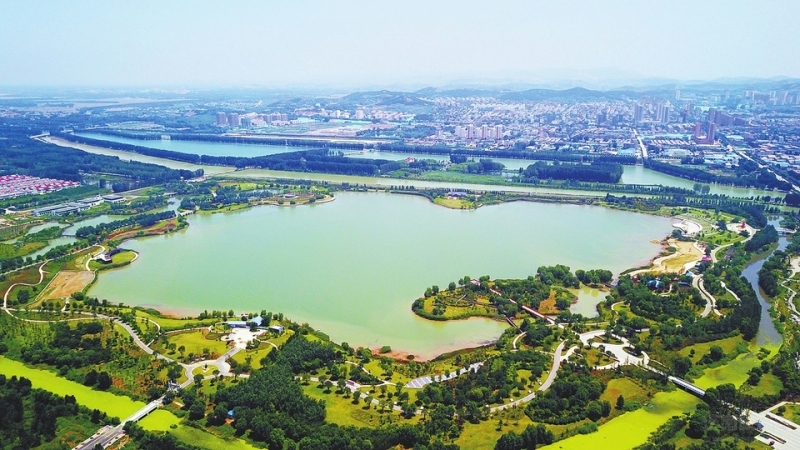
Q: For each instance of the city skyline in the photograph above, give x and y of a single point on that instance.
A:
(407, 44)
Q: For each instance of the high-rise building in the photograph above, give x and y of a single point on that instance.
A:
(698, 130)
(712, 114)
(638, 110)
(484, 131)
(677, 94)
(222, 119)
(665, 112)
(359, 114)
(712, 133)
(233, 120)
(245, 122)
(460, 132)
(498, 132)
(470, 131)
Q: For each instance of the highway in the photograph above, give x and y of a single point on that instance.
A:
(642, 148)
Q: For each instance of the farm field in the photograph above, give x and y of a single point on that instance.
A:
(66, 283)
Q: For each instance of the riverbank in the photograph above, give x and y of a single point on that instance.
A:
(434, 180)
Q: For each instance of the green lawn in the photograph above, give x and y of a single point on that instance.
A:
(113, 405)
(117, 260)
(768, 385)
(633, 428)
(195, 342)
(342, 411)
(728, 346)
(484, 435)
(159, 420)
(206, 440)
(255, 355)
(170, 324)
(792, 413)
(733, 372)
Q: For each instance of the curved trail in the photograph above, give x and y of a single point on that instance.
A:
(10, 288)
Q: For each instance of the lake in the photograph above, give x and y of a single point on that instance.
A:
(353, 267)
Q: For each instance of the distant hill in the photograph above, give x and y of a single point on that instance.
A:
(568, 94)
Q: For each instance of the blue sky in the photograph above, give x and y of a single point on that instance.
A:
(276, 43)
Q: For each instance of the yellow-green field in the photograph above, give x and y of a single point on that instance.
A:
(727, 345)
(205, 440)
(733, 372)
(633, 428)
(159, 420)
(255, 355)
(113, 405)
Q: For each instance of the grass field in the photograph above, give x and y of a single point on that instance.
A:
(633, 428)
(70, 431)
(626, 387)
(255, 355)
(342, 411)
(113, 405)
(734, 372)
(454, 203)
(792, 413)
(768, 385)
(118, 260)
(484, 435)
(728, 346)
(206, 440)
(159, 420)
(170, 323)
(195, 342)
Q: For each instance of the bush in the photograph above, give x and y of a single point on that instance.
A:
(587, 428)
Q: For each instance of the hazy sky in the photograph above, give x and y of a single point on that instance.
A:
(242, 42)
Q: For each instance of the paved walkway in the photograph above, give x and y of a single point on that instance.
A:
(419, 383)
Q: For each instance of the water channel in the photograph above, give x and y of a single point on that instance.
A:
(353, 267)
(631, 175)
(767, 333)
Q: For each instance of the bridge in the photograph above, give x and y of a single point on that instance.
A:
(686, 386)
(784, 231)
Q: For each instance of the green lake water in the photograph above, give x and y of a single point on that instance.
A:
(353, 267)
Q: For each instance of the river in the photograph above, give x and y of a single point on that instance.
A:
(353, 267)
(767, 333)
(631, 174)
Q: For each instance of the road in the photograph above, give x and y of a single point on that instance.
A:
(764, 166)
(642, 147)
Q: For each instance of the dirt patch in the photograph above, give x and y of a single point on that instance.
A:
(66, 283)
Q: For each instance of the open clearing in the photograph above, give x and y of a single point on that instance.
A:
(633, 428)
(66, 283)
(113, 405)
(202, 439)
(159, 420)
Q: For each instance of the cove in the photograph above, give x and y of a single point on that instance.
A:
(353, 267)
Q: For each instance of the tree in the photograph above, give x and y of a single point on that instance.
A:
(620, 402)
(451, 286)
(103, 381)
(197, 410)
(699, 422)
(681, 366)
(23, 295)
